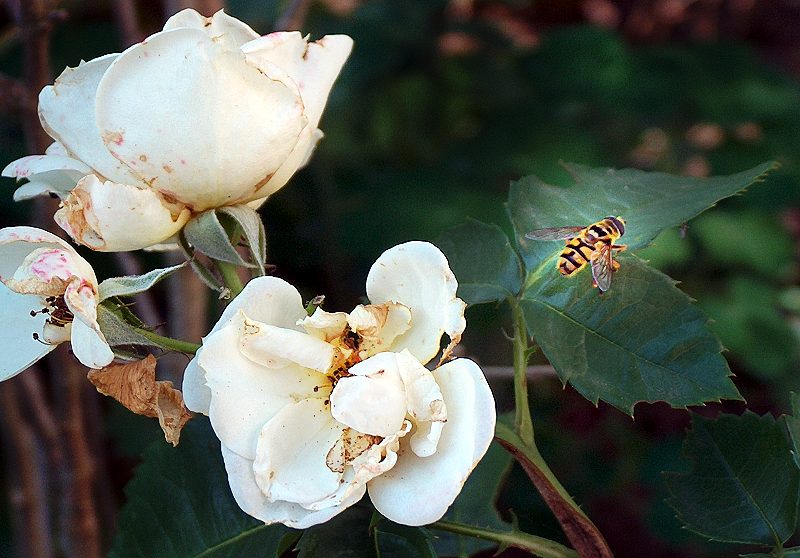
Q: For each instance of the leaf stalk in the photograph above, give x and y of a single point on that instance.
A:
(538, 546)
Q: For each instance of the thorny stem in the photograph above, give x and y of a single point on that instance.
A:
(538, 546)
(522, 414)
(230, 276)
(186, 347)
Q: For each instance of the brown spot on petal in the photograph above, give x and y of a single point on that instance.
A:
(143, 158)
(263, 182)
(168, 169)
(348, 447)
(113, 137)
(134, 385)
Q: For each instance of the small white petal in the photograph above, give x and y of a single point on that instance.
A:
(291, 459)
(67, 112)
(245, 395)
(17, 344)
(32, 165)
(418, 490)
(324, 325)
(250, 498)
(425, 404)
(196, 121)
(112, 217)
(417, 275)
(88, 343)
(59, 183)
(379, 325)
(277, 347)
(373, 399)
(221, 27)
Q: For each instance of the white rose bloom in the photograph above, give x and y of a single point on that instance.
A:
(48, 295)
(314, 411)
(203, 114)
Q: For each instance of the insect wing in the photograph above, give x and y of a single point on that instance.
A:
(602, 267)
(554, 233)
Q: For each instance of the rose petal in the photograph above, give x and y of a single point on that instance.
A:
(297, 159)
(269, 300)
(17, 243)
(250, 498)
(195, 120)
(425, 404)
(112, 217)
(67, 112)
(418, 490)
(379, 325)
(417, 275)
(59, 183)
(88, 343)
(32, 165)
(324, 325)
(222, 27)
(372, 400)
(277, 347)
(245, 395)
(314, 68)
(291, 458)
(17, 344)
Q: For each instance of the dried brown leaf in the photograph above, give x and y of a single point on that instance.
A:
(134, 385)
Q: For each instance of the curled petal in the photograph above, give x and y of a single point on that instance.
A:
(379, 325)
(291, 459)
(417, 275)
(277, 347)
(50, 173)
(268, 300)
(425, 404)
(67, 112)
(324, 325)
(223, 28)
(418, 490)
(372, 400)
(246, 395)
(55, 258)
(17, 344)
(205, 150)
(88, 343)
(33, 165)
(111, 217)
(250, 498)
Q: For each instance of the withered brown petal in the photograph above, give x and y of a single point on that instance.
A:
(134, 385)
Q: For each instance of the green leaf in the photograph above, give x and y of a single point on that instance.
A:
(134, 284)
(793, 426)
(206, 234)
(476, 505)
(118, 331)
(179, 505)
(484, 262)
(743, 486)
(640, 341)
(253, 230)
(649, 202)
(401, 541)
(345, 536)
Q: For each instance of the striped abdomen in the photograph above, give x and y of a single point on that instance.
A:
(579, 249)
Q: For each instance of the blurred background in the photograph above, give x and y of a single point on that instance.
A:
(442, 103)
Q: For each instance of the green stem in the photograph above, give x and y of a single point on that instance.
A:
(230, 276)
(177, 345)
(538, 546)
(522, 414)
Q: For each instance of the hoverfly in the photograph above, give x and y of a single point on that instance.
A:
(587, 245)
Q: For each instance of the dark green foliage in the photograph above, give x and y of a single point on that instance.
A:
(482, 258)
(743, 485)
(179, 505)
